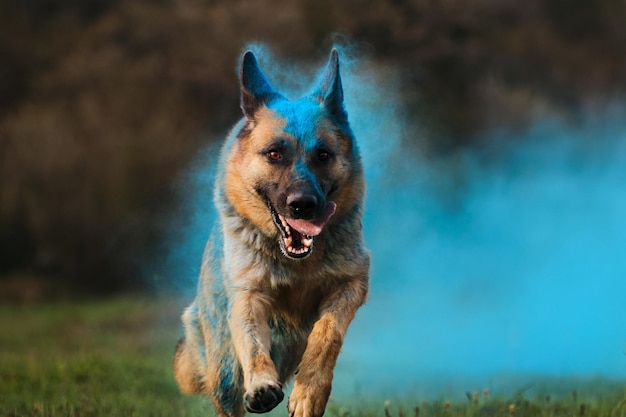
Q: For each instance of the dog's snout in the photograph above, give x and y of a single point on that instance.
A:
(302, 206)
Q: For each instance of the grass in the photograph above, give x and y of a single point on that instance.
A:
(113, 358)
(92, 359)
(610, 403)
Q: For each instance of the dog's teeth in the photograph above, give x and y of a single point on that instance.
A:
(298, 251)
(307, 242)
(288, 241)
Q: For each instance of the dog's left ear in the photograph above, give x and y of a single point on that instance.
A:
(256, 90)
(329, 90)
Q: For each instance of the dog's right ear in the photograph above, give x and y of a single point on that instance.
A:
(329, 91)
(255, 88)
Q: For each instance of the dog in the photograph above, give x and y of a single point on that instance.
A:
(286, 267)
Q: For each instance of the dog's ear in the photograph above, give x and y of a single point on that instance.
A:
(329, 90)
(255, 88)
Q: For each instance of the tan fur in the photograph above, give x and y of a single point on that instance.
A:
(244, 165)
(258, 315)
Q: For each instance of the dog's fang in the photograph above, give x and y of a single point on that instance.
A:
(283, 221)
(307, 242)
(288, 242)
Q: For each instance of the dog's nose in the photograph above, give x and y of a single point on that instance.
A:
(302, 206)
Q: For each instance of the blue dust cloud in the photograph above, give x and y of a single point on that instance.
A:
(522, 276)
(507, 259)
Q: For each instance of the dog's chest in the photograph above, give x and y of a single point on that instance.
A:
(292, 313)
(296, 304)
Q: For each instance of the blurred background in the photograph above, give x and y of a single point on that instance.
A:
(104, 103)
(493, 134)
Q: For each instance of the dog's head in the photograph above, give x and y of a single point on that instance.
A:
(293, 167)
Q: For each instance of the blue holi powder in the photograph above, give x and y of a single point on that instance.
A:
(525, 275)
(194, 221)
(228, 397)
(505, 260)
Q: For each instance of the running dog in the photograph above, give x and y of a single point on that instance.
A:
(286, 267)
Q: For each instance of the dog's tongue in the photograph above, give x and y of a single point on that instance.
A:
(314, 228)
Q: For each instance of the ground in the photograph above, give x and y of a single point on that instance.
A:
(113, 358)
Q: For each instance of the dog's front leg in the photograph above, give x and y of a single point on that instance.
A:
(252, 341)
(315, 373)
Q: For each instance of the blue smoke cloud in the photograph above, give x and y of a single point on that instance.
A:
(505, 259)
(522, 275)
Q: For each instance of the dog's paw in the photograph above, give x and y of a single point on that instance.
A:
(306, 401)
(263, 397)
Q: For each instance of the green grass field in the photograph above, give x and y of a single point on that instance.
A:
(91, 359)
(113, 358)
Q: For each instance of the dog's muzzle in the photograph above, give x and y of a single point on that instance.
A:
(297, 234)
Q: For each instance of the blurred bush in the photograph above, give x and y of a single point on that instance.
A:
(103, 103)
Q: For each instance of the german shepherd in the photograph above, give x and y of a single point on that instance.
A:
(286, 268)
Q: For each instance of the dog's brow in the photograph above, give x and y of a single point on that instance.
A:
(281, 143)
(319, 143)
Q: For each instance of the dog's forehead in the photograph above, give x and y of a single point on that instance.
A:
(304, 120)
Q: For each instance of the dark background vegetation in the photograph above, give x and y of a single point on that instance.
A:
(104, 103)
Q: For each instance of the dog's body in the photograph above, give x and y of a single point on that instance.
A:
(269, 304)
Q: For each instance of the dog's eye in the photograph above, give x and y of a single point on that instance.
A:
(274, 155)
(323, 155)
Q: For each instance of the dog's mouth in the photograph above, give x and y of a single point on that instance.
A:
(296, 235)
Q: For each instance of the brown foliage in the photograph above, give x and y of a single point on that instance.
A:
(103, 103)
